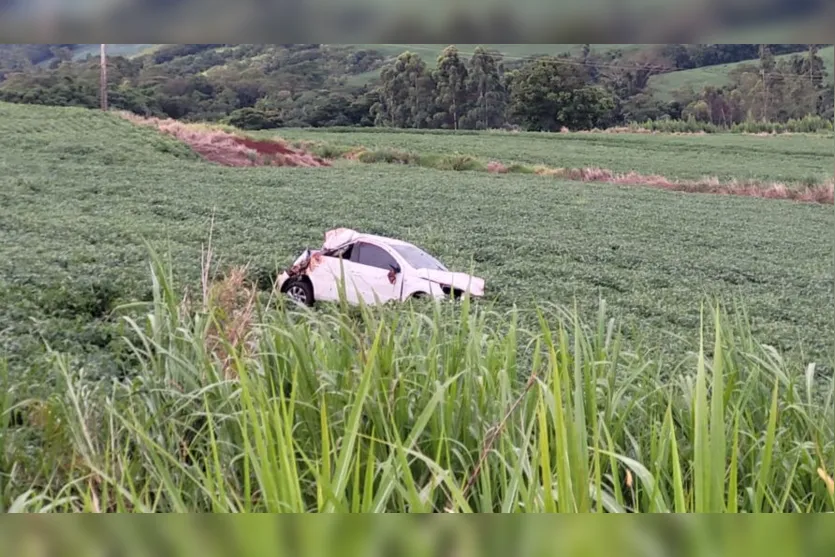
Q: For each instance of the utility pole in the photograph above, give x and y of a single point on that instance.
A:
(103, 84)
(765, 84)
(765, 97)
(813, 50)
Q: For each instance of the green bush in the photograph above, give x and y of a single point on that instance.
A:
(387, 156)
(807, 124)
(253, 119)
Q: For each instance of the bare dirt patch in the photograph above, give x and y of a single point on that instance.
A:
(229, 149)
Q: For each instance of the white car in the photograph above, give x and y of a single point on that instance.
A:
(375, 270)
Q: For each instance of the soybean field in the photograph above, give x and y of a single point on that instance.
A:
(81, 192)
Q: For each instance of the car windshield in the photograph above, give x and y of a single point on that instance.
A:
(418, 258)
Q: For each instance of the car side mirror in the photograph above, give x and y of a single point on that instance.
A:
(396, 268)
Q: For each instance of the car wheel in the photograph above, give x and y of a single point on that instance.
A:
(301, 291)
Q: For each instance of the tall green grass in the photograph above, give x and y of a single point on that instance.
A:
(420, 408)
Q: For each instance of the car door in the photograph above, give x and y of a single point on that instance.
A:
(372, 274)
(327, 276)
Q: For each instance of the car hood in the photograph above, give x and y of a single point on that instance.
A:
(461, 281)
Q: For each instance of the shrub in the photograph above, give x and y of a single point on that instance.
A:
(253, 119)
(807, 124)
(387, 156)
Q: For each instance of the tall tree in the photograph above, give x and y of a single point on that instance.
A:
(422, 96)
(451, 86)
(550, 93)
(406, 93)
(813, 67)
(678, 55)
(487, 89)
(394, 107)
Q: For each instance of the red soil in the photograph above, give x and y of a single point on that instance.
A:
(278, 153)
(496, 167)
(228, 149)
(265, 147)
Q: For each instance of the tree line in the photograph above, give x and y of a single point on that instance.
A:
(268, 86)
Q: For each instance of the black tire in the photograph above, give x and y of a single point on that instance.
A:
(300, 290)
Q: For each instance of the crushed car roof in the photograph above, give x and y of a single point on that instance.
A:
(339, 237)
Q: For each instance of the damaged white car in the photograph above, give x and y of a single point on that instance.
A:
(375, 269)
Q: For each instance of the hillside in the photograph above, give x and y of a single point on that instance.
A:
(260, 86)
(128, 50)
(510, 52)
(718, 75)
(429, 52)
(698, 77)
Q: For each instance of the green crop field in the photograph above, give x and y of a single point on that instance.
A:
(717, 76)
(788, 158)
(81, 191)
(391, 408)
